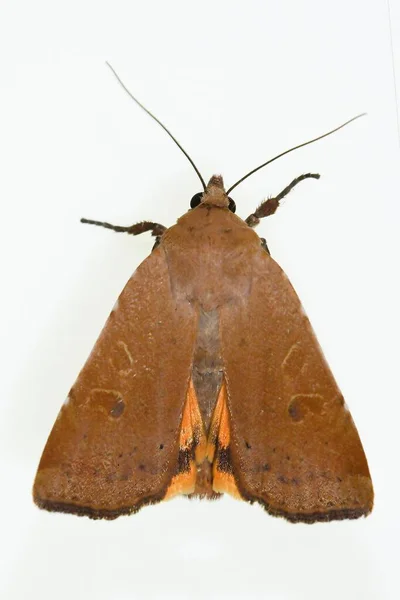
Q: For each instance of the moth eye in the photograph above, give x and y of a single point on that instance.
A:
(195, 201)
(232, 205)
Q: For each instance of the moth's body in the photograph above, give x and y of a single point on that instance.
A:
(207, 378)
(208, 253)
(228, 246)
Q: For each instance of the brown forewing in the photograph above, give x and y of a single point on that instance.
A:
(115, 443)
(294, 446)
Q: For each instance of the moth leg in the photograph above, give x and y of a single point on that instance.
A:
(156, 243)
(156, 229)
(264, 245)
(268, 207)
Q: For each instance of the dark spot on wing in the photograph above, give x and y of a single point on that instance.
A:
(305, 405)
(117, 409)
(282, 479)
(224, 460)
(294, 412)
(184, 458)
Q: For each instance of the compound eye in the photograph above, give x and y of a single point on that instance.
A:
(195, 201)
(232, 205)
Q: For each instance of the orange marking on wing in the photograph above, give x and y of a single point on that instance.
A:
(198, 433)
(183, 483)
(186, 432)
(215, 425)
(224, 483)
(218, 448)
(224, 432)
(192, 447)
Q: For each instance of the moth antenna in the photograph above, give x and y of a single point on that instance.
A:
(291, 150)
(159, 122)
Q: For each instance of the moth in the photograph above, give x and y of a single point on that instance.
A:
(206, 379)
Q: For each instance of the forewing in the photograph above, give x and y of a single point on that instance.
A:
(294, 446)
(115, 443)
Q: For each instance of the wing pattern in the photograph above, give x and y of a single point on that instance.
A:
(115, 444)
(294, 448)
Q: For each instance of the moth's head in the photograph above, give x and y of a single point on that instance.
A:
(214, 195)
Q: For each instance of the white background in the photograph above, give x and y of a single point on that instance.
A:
(237, 83)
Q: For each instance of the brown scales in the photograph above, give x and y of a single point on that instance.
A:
(207, 378)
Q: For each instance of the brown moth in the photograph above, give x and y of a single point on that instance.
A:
(206, 379)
